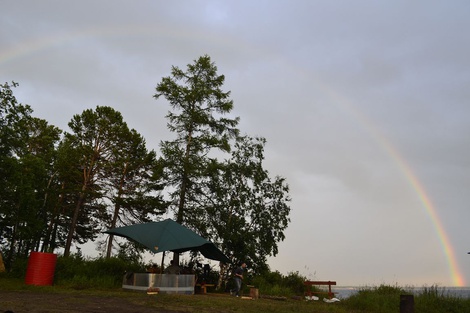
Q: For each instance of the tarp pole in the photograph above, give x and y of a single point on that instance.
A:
(163, 259)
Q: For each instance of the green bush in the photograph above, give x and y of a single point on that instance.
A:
(18, 268)
(383, 298)
(82, 273)
(276, 284)
(295, 282)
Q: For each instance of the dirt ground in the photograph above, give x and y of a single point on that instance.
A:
(19, 302)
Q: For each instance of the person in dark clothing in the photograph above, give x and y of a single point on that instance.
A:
(238, 278)
(173, 268)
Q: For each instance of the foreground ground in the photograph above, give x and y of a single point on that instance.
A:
(53, 299)
(17, 297)
(35, 302)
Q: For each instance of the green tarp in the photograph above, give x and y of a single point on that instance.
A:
(168, 235)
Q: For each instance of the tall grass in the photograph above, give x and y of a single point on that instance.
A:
(385, 299)
(433, 297)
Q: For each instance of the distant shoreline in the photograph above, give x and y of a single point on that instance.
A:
(343, 292)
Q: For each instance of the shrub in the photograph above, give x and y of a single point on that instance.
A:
(18, 268)
(276, 284)
(82, 273)
(295, 282)
(383, 298)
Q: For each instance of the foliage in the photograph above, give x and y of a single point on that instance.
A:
(64, 188)
(433, 299)
(95, 139)
(18, 268)
(134, 185)
(109, 174)
(57, 190)
(247, 211)
(130, 251)
(199, 105)
(79, 273)
(383, 298)
(92, 275)
(232, 202)
(27, 146)
(276, 284)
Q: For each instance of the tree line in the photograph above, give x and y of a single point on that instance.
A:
(63, 188)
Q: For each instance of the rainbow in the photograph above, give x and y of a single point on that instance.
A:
(29, 47)
(457, 278)
(412, 179)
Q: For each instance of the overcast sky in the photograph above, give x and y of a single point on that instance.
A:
(364, 105)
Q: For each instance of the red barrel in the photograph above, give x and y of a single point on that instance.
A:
(41, 268)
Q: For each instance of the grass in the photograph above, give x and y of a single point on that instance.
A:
(381, 299)
(433, 297)
(211, 303)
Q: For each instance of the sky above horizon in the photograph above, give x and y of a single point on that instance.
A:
(364, 106)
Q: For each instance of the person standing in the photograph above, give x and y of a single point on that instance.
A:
(173, 268)
(238, 278)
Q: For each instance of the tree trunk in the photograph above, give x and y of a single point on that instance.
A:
(223, 268)
(117, 209)
(111, 236)
(73, 223)
(49, 243)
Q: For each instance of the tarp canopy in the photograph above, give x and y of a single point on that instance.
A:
(168, 235)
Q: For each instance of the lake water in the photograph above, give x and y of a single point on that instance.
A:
(461, 292)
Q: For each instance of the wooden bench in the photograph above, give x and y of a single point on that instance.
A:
(310, 283)
(204, 287)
